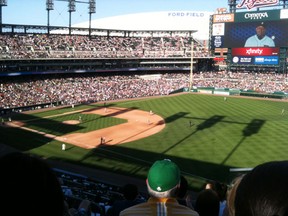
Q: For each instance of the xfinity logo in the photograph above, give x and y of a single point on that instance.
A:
(253, 16)
(249, 4)
(254, 51)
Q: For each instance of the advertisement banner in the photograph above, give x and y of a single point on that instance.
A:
(228, 17)
(257, 16)
(242, 60)
(252, 51)
(255, 60)
(266, 60)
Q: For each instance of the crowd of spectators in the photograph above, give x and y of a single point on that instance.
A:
(101, 198)
(48, 191)
(70, 89)
(31, 46)
(261, 82)
(76, 89)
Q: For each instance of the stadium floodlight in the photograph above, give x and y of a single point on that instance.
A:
(71, 6)
(92, 9)
(92, 6)
(49, 6)
(2, 4)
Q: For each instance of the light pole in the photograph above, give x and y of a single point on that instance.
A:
(49, 6)
(92, 9)
(71, 8)
(191, 64)
(2, 4)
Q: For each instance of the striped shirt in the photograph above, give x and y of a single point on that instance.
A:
(159, 207)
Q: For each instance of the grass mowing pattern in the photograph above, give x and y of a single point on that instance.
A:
(89, 122)
(239, 132)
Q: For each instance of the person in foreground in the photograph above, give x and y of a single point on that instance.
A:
(263, 191)
(207, 203)
(29, 186)
(131, 198)
(163, 182)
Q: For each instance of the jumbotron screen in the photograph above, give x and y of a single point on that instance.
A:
(252, 36)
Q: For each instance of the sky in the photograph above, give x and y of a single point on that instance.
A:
(33, 12)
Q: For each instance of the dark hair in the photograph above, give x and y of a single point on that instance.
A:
(264, 191)
(207, 203)
(30, 185)
(219, 188)
(182, 191)
(130, 191)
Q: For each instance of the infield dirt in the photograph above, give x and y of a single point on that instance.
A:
(140, 124)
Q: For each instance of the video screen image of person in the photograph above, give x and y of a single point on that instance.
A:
(260, 39)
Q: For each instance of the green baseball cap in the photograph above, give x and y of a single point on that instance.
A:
(163, 175)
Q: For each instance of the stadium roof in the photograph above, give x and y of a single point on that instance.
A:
(161, 21)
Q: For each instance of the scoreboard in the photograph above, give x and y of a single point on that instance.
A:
(231, 30)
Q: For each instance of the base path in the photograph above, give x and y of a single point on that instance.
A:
(139, 124)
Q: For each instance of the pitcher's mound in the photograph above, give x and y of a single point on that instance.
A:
(71, 122)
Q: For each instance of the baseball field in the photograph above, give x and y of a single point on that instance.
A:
(204, 134)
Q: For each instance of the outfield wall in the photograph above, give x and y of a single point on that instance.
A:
(218, 91)
(227, 92)
(249, 93)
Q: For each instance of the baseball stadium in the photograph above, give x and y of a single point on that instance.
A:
(101, 105)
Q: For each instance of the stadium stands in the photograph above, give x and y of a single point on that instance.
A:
(77, 187)
(31, 46)
(26, 91)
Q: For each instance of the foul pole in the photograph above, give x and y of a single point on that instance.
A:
(191, 66)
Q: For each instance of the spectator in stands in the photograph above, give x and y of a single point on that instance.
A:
(24, 91)
(84, 209)
(229, 210)
(190, 199)
(163, 182)
(263, 191)
(131, 198)
(207, 203)
(221, 190)
(29, 186)
(182, 192)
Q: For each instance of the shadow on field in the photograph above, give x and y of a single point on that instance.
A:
(140, 162)
(121, 158)
(48, 125)
(27, 140)
(252, 128)
(175, 117)
(120, 111)
(204, 125)
(209, 122)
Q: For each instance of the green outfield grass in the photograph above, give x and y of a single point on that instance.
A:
(237, 133)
